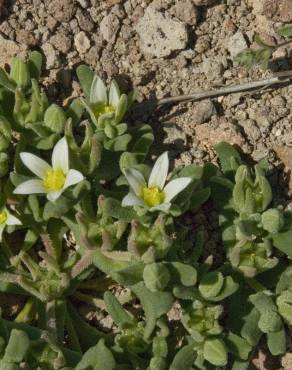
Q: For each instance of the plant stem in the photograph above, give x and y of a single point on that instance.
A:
(283, 44)
(95, 302)
(27, 313)
(51, 318)
(255, 285)
(282, 77)
(98, 284)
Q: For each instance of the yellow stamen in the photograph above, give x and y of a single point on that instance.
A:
(55, 180)
(3, 217)
(153, 196)
(101, 108)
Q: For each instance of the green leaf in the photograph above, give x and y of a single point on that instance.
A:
(113, 208)
(57, 209)
(199, 198)
(20, 72)
(85, 76)
(117, 312)
(98, 357)
(184, 359)
(215, 352)
(270, 321)
(240, 365)
(119, 143)
(277, 342)
(262, 43)
(185, 274)
(238, 346)
(121, 108)
(75, 111)
(250, 330)
(6, 82)
(283, 241)
(285, 31)
(155, 304)
(211, 284)
(35, 62)
(156, 276)
(229, 287)
(229, 157)
(17, 346)
(55, 118)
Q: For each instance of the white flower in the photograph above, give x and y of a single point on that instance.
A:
(53, 180)
(154, 195)
(7, 219)
(104, 104)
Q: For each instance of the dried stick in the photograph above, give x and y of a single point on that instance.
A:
(280, 78)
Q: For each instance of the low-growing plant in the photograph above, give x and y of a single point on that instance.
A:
(87, 220)
(262, 55)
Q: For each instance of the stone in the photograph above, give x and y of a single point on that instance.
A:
(109, 27)
(83, 3)
(82, 42)
(61, 10)
(225, 131)
(61, 42)
(203, 111)
(26, 37)
(174, 136)
(278, 11)
(52, 58)
(251, 129)
(110, 3)
(212, 68)
(7, 30)
(284, 153)
(186, 11)
(203, 2)
(9, 49)
(236, 44)
(84, 20)
(286, 361)
(160, 35)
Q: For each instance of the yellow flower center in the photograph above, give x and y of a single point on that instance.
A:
(3, 217)
(153, 196)
(101, 108)
(55, 180)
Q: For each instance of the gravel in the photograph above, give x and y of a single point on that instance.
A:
(166, 48)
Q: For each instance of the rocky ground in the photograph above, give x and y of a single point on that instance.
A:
(167, 48)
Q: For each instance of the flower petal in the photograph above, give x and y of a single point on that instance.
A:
(54, 195)
(73, 177)
(98, 91)
(35, 164)
(131, 200)
(159, 172)
(135, 179)
(33, 186)
(164, 207)
(175, 186)
(114, 94)
(12, 220)
(60, 156)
